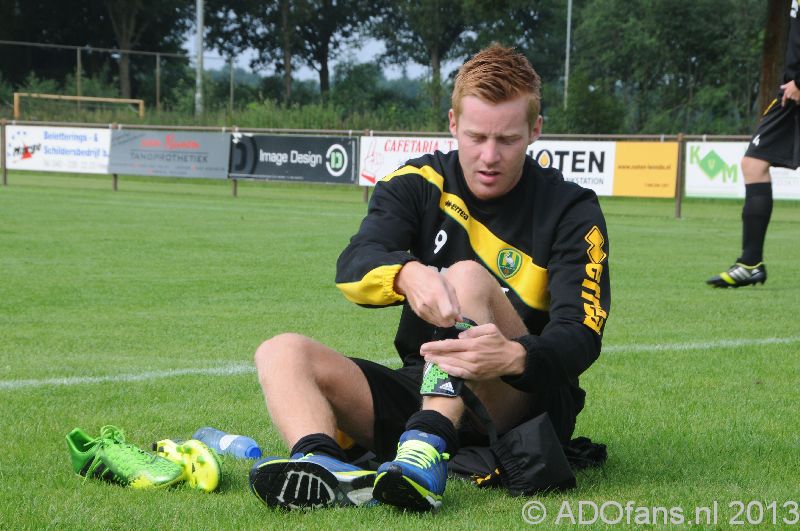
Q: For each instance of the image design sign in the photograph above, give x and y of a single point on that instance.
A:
(325, 159)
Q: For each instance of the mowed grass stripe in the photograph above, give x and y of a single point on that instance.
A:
(242, 368)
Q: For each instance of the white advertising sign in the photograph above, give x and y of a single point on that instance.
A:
(785, 183)
(589, 164)
(381, 155)
(713, 169)
(68, 149)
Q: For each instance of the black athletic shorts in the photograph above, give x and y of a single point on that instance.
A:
(777, 138)
(395, 397)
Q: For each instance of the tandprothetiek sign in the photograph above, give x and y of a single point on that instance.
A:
(170, 154)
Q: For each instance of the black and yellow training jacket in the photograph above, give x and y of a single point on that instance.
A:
(545, 242)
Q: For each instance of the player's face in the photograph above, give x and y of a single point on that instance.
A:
(492, 140)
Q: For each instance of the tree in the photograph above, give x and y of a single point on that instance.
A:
(125, 17)
(69, 22)
(131, 20)
(140, 24)
(776, 28)
(287, 32)
(428, 33)
(673, 63)
(536, 28)
(433, 32)
(324, 27)
(268, 28)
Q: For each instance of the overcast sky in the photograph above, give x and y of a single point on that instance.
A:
(365, 53)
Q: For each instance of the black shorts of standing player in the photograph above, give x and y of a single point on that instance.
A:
(395, 397)
(777, 138)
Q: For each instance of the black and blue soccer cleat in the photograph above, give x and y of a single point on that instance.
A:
(310, 481)
(417, 477)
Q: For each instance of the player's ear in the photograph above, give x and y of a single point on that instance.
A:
(453, 122)
(536, 130)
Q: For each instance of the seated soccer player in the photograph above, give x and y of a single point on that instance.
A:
(482, 233)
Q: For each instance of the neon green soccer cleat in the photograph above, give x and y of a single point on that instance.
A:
(201, 466)
(110, 458)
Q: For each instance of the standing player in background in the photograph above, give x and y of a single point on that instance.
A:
(775, 143)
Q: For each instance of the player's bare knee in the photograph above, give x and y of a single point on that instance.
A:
(278, 351)
(755, 170)
(469, 274)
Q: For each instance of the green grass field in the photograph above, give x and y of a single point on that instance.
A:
(142, 308)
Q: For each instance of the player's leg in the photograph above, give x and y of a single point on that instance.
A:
(749, 268)
(483, 300)
(311, 388)
(775, 143)
(311, 391)
(757, 209)
(416, 478)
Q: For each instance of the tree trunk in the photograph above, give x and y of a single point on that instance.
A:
(125, 75)
(324, 74)
(286, 34)
(123, 15)
(436, 83)
(773, 52)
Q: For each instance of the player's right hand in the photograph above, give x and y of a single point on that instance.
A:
(790, 92)
(429, 294)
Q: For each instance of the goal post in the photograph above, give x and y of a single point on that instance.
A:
(89, 99)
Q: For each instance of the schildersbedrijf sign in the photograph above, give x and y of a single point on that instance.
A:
(326, 159)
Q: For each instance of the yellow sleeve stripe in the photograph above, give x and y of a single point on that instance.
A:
(376, 288)
(426, 172)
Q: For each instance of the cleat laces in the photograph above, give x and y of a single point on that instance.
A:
(112, 435)
(419, 454)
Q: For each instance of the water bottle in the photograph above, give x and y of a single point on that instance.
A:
(224, 443)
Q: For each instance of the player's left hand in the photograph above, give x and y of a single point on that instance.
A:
(480, 353)
(790, 92)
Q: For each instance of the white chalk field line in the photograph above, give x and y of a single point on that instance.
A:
(234, 369)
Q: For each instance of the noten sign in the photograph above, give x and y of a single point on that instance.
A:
(589, 164)
(326, 159)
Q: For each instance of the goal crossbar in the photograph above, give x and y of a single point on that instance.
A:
(89, 99)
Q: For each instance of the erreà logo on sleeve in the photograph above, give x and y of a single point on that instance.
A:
(595, 315)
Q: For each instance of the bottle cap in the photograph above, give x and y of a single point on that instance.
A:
(254, 452)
